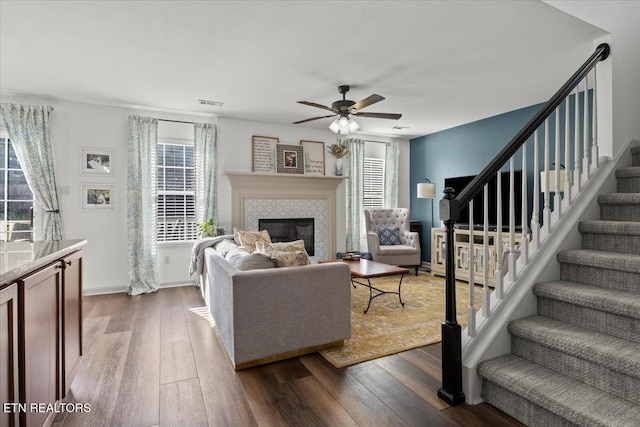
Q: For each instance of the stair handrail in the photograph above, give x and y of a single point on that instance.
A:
(450, 205)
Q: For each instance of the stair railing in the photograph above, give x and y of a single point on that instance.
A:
(520, 244)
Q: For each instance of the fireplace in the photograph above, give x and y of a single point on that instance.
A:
(289, 229)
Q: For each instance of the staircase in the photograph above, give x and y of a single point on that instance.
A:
(577, 362)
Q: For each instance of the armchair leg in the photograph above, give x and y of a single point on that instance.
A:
(416, 270)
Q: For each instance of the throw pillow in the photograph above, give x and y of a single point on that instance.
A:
(248, 239)
(389, 236)
(236, 253)
(290, 259)
(266, 248)
(224, 246)
(254, 261)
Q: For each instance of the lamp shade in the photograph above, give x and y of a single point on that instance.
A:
(551, 175)
(426, 190)
(334, 126)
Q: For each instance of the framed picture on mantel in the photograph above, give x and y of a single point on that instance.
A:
(313, 157)
(263, 153)
(290, 159)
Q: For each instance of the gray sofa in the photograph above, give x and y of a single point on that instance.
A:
(271, 314)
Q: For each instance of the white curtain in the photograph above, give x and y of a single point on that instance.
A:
(142, 204)
(28, 128)
(391, 156)
(205, 162)
(355, 193)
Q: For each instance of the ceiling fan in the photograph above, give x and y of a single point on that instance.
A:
(345, 108)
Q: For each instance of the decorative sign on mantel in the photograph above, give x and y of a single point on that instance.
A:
(313, 157)
(264, 153)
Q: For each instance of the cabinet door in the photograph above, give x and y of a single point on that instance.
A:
(40, 295)
(9, 353)
(72, 317)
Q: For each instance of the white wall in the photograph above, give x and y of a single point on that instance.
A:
(620, 18)
(77, 125)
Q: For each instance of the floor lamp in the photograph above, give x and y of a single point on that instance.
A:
(427, 190)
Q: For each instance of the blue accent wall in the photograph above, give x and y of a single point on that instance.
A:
(463, 150)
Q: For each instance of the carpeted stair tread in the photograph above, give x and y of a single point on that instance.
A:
(632, 172)
(601, 259)
(601, 349)
(607, 300)
(563, 396)
(627, 228)
(619, 199)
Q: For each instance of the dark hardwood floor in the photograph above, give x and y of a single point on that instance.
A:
(157, 360)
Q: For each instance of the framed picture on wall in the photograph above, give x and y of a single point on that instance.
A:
(263, 154)
(313, 157)
(96, 161)
(97, 196)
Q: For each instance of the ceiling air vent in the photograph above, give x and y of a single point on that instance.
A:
(207, 102)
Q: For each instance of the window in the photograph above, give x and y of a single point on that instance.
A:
(373, 183)
(176, 191)
(16, 198)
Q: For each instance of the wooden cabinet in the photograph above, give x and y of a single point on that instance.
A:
(40, 330)
(9, 369)
(462, 256)
(40, 317)
(72, 317)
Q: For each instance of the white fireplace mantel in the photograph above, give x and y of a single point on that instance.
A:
(255, 185)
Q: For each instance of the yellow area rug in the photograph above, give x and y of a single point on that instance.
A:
(389, 328)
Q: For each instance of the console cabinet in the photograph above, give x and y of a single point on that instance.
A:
(461, 239)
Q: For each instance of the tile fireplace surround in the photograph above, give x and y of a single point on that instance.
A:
(265, 195)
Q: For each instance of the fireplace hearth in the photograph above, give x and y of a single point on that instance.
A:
(289, 229)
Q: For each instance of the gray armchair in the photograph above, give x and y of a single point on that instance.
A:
(406, 252)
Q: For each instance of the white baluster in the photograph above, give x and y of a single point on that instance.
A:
(557, 200)
(512, 220)
(546, 210)
(595, 151)
(471, 314)
(585, 131)
(524, 238)
(535, 213)
(567, 152)
(485, 238)
(577, 176)
(498, 244)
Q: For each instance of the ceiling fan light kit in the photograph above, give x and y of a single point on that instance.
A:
(343, 108)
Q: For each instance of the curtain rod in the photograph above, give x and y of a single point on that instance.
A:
(176, 121)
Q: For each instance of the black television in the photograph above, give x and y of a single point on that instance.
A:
(460, 182)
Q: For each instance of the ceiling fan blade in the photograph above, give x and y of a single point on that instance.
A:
(392, 116)
(370, 100)
(313, 118)
(313, 104)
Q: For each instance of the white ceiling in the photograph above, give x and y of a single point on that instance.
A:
(440, 63)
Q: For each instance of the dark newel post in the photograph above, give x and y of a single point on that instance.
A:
(451, 390)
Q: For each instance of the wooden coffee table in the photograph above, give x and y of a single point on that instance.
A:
(366, 270)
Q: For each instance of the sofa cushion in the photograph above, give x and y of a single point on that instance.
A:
(389, 236)
(264, 247)
(254, 261)
(248, 239)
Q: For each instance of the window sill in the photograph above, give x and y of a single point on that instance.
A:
(188, 243)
